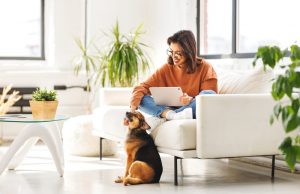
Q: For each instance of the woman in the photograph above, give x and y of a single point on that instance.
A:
(194, 75)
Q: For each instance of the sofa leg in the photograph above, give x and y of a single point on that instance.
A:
(100, 152)
(273, 168)
(175, 171)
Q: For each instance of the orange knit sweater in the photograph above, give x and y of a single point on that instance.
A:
(204, 78)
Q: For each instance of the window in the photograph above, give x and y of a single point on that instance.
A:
(236, 28)
(215, 31)
(22, 29)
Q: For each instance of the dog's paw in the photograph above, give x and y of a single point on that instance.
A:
(119, 180)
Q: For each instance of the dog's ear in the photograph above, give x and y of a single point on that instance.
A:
(145, 125)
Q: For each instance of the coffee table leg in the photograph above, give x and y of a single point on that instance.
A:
(53, 141)
(20, 155)
(59, 142)
(23, 136)
(49, 135)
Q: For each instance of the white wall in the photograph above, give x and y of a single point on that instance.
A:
(161, 19)
(65, 21)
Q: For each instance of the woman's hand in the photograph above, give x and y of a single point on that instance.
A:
(133, 108)
(185, 99)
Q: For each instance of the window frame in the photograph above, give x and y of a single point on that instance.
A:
(42, 27)
(233, 54)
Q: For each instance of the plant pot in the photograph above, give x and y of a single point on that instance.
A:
(43, 109)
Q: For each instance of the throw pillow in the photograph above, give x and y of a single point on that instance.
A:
(249, 82)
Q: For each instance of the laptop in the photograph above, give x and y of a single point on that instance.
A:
(168, 96)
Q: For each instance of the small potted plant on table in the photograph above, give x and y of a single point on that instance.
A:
(43, 104)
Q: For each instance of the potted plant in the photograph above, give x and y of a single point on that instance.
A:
(120, 64)
(287, 85)
(43, 104)
(124, 60)
(117, 64)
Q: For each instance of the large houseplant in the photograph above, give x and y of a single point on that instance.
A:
(285, 85)
(118, 64)
(43, 104)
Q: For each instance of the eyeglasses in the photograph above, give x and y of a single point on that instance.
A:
(171, 53)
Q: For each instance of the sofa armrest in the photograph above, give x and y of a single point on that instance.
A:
(233, 125)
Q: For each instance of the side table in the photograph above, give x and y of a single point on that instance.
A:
(47, 130)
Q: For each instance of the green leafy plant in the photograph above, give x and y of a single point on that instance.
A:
(87, 60)
(285, 85)
(44, 95)
(120, 64)
(124, 59)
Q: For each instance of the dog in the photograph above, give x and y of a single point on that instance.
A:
(143, 161)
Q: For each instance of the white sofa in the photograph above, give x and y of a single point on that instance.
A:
(227, 125)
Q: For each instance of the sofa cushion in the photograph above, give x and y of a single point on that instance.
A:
(78, 138)
(245, 82)
(108, 121)
(176, 134)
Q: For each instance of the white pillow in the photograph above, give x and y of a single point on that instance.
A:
(79, 140)
(246, 82)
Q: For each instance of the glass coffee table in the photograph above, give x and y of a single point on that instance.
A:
(45, 129)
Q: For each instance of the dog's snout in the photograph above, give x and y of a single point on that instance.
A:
(128, 116)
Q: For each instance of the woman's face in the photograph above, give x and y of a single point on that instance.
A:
(175, 51)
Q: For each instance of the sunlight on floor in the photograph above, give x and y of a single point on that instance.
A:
(37, 174)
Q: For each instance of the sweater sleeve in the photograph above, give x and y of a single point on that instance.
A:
(210, 81)
(157, 79)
